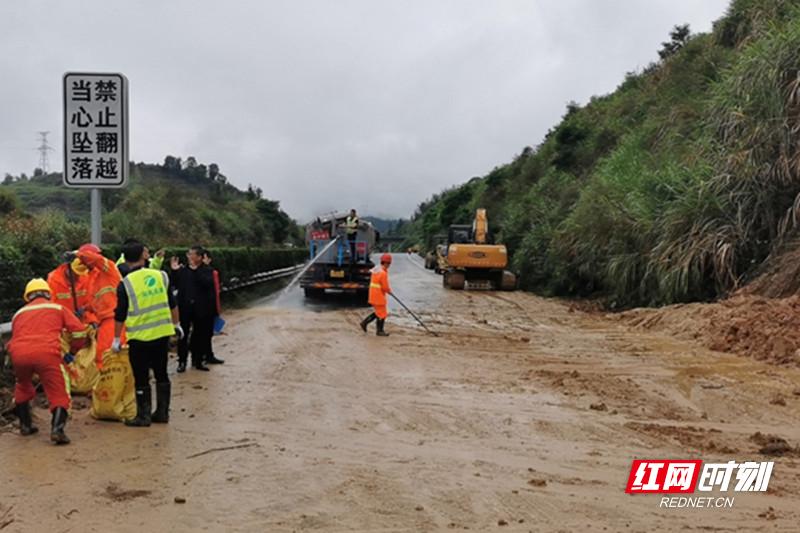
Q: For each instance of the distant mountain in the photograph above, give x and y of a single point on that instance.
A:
(386, 226)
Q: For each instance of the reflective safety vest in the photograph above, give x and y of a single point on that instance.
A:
(379, 286)
(149, 316)
(352, 225)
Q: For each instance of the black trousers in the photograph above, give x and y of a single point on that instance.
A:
(197, 337)
(183, 344)
(146, 355)
(352, 238)
(200, 342)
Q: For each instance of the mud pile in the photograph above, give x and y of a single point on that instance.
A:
(763, 328)
(779, 275)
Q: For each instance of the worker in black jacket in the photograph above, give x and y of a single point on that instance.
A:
(197, 304)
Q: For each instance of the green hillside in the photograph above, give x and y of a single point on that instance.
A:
(175, 203)
(674, 187)
(386, 226)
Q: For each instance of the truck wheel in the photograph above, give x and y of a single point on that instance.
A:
(456, 281)
(314, 293)
(508, 281)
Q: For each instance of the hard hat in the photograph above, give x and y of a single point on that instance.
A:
(78, 267)
(386, 258)
(89, 247)
(35, 285)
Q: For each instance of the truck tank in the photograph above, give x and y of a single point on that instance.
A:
(341, 267)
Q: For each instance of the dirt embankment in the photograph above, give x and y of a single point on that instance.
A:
(761, 320)
(762, 328)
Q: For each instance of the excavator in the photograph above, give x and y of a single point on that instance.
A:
(473, 261)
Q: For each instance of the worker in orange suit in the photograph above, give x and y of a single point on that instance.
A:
(103, 280)
(35, 348)
(69, 284)
(378, 289)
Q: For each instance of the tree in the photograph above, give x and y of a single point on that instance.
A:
(172, 163)
(8, 180)
(679, 36)
(277, 220)
(213, 171)
(254, 193)
(572, 108)
(9, 202)
(191, 162)
(37, 172)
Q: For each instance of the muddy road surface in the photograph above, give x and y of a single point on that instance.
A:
(523, 415)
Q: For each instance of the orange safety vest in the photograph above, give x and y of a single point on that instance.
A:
(379, 287)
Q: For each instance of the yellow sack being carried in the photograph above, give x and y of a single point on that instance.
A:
(82, 371)
(114, 395)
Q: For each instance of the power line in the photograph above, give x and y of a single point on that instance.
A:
(43, 148)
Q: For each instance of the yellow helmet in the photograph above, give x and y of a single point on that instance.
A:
(78, 267)
(35, 285)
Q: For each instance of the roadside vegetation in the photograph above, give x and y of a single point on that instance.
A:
(173, 205)
(675, 187)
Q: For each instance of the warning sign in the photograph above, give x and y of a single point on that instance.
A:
(95, 130)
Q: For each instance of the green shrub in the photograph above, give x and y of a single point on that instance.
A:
(16, 267)
(14, 274)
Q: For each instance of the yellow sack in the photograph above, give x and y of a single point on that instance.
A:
(82, 371)
(114, 396)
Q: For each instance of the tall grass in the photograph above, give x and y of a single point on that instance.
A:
(673, 188)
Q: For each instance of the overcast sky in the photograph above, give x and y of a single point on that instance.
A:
(330, 104)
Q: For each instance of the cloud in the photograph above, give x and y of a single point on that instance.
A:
(330, 105)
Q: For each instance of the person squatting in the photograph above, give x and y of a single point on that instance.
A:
(131, 301)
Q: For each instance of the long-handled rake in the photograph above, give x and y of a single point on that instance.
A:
(410, 312)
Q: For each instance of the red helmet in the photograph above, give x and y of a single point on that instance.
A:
(386, 258)
(88, 247)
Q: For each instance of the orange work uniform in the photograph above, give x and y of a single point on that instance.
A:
(61, 291)
(378, 289)
(35, 348)
(103, 280)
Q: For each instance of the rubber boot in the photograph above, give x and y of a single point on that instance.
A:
(213, 360)
(367, 321)
(381, 333)
(57, 435)
(161, 414)
(143, 406)
(181, 367)
(200, 365)
(26, 426)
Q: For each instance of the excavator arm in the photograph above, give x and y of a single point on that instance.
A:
(480, 227)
